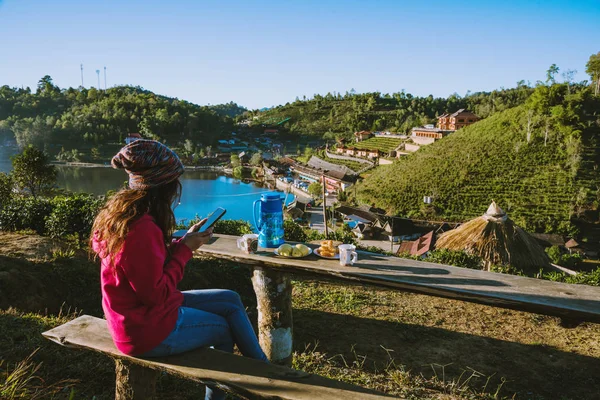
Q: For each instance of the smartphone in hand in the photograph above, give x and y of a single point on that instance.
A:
(212, 219)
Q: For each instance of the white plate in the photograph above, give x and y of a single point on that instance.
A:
(279, 255)
(336, 257)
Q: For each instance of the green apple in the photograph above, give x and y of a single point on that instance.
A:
(285, 250)
(303, 248)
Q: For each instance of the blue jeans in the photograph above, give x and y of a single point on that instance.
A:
(212, 317)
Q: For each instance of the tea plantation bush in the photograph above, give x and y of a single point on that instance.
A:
(60, 216)
(25, 213)
(236, 227)
(73, 215)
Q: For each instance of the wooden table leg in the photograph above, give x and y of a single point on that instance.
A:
(274, 297)
(134, 382)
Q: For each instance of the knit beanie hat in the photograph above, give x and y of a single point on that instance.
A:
(148, 163)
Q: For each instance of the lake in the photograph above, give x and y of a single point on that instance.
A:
(203, 191)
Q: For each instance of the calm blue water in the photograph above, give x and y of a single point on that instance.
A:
(203, 191)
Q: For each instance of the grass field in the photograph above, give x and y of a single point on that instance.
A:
(408, 345)
(353, 165)
(384, 145)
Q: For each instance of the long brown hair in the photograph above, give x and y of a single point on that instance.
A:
(114, 220)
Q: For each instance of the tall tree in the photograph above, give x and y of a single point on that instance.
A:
(553, 70)
(568, 76)
(32, 172)
(593, 69)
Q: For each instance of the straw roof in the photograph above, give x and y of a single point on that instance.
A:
(497, 240)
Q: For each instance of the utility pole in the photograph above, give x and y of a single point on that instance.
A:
(325, 208)
(81, 65)
(98, 74)
(105, 77)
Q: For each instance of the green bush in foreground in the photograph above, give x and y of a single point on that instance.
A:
(25, 213)
(57, 217)
(6, 188)
(236, 227)
(564, 260)
(73, 215)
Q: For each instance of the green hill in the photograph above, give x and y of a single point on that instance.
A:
(85, 118)
(543, 186)
(342, 114)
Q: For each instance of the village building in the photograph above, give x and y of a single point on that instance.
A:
(419, 247)
(457, 120)
(447, 123)
(335, 177)
(362, 135)
(373, 154)
(132, 137)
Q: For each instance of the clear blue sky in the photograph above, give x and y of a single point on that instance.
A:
(263, 53)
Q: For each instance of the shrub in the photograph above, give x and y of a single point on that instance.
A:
(73, 215)
(238, 172)
(586, 278)
(233, 227)
(25, 213)
(315, 190)
(6, 189)
(457, 258)
(564, 260)
(293, 232)
(236, 227)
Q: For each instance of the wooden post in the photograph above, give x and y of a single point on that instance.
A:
(134, 382)
(325, 208)
(274, 300)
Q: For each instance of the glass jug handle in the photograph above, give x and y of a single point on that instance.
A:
(255, 215)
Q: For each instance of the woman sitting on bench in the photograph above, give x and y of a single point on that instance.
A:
(147, 315)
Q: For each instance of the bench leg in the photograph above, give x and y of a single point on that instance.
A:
(134, 382)
(274, 299)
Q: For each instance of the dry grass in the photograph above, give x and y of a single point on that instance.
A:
(527, 355)
(23, 382)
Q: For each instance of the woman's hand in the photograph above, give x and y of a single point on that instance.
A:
(194, 239)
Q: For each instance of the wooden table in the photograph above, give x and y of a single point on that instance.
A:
(274, 291)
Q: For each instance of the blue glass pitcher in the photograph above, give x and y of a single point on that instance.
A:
(268, 220)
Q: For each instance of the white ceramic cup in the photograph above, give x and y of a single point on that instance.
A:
(348, 255)
(248, 243)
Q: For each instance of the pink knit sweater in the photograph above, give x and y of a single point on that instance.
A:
(139, 293)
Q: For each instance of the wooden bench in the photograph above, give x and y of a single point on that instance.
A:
(253, 379)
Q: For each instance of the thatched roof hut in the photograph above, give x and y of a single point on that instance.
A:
(497, 240)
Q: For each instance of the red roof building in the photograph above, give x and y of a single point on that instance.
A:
(418, 247)
(457, 120)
